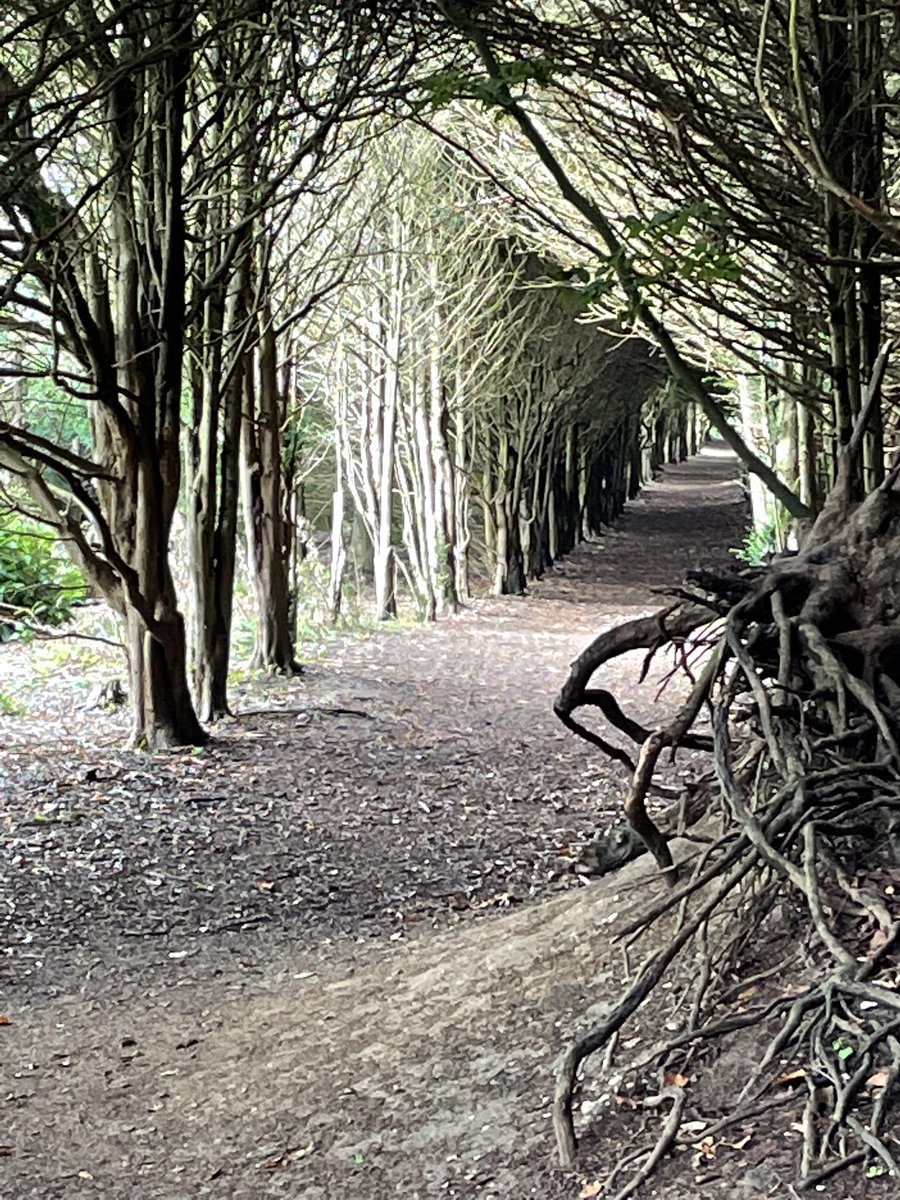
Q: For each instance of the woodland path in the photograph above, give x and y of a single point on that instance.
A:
(256, 972)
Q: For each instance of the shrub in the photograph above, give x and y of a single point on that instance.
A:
(36, 577)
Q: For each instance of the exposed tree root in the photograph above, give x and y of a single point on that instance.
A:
(801, 684)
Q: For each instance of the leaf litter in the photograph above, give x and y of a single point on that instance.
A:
(412, 783)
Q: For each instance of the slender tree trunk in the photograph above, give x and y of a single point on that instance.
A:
(461, 495)
(385, 586)
(443, 552)
(262, 487)
(750, 423)
(214, 488)
(338, 549)
(413, 473)
(808, 458)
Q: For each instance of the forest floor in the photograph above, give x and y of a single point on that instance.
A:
(337, 952)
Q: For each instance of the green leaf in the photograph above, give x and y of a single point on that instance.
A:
(666, 217)
(842, 1048)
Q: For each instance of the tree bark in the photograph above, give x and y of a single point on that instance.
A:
(262, 484)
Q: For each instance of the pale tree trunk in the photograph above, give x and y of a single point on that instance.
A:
(461, 492)
(386, 396)
(443, 552)
(751, 426)
(808, 458)
(365, 422)
(338, 548)
(370, 475)
(570, 490)
(548, 508)
(509, 568)
(482, 446)
(552, 526)
(429, 500)
(584, 469)
(414, 479)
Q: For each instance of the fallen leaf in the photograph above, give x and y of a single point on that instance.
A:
(282, 1160)
(674, 1079)
(706, 1151)
(791, 1076)
(748, 993)
(693, 1127)
(878, 1080)
(877, 941)
(589, 1190)
(741, 1143)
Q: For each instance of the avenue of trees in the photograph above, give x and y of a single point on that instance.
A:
(440, 284)
(231, 273)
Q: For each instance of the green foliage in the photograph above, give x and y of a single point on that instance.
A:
(842, 1048)
(444, 87)
(676, 220)
(49, 411)
(675, 243)
(36, 578)
(700, 254)
(761, 543)
(10, 707)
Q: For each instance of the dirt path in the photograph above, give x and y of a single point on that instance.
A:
(256, 972)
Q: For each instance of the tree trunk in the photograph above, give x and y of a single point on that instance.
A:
(460, 486)
(750, 422)
(338, 549)
(137, 436)
(263, 492)
(213, 489)
(162, 713)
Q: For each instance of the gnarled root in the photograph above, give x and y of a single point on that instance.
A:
(802, 676)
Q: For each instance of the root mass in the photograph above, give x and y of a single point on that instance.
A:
(787, 919)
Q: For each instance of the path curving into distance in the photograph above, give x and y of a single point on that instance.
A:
(339, 953)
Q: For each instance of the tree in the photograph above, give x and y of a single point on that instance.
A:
(116, 137)
(99, 265)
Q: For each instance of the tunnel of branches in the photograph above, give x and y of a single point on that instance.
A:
(400, 303)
